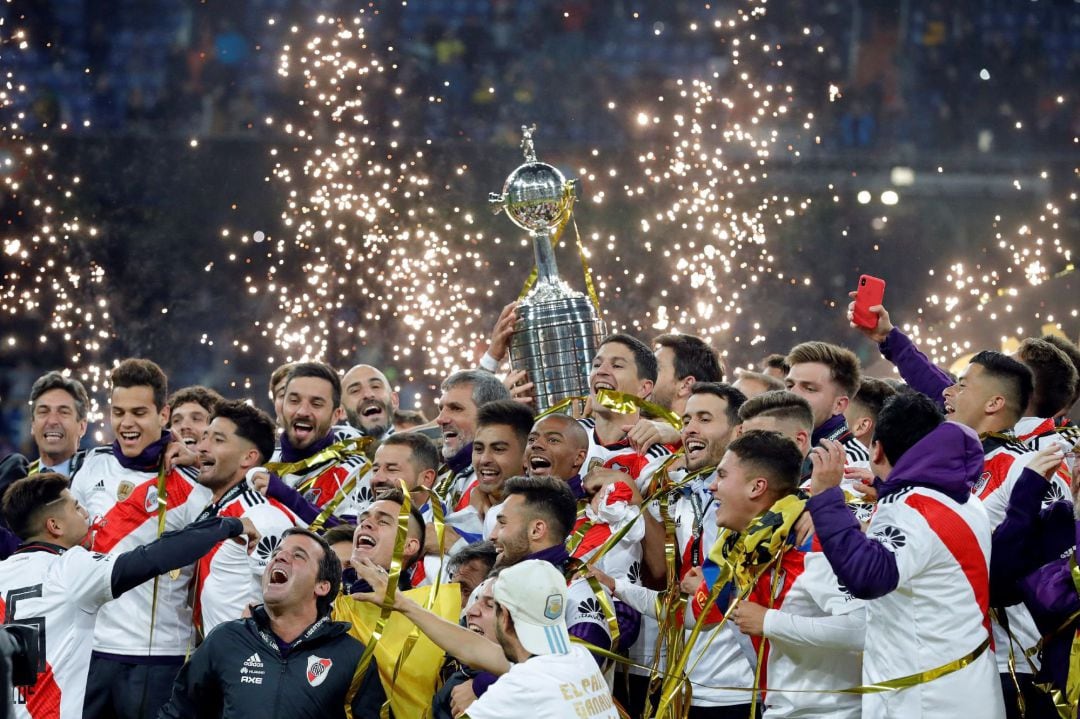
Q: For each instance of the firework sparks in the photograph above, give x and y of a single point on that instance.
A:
(53, 288)
(380, 253)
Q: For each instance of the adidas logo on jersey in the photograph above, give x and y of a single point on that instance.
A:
(254, 661)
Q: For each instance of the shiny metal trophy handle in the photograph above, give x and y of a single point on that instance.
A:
(558, 329)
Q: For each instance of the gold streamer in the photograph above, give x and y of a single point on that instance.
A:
(623, 403)
(560, 407)
(891, 685)
(338, 498)
(387, 606)
(339, 450)
(589, 288)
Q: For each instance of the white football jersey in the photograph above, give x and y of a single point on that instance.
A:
(807, 590)
(938, 614)
(59, 592)
(720, 657)
(227, 578)
(622, 457)
(124, 505)
(549, 686)
(323, 482)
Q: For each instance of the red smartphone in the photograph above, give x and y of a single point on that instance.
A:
(871, 292)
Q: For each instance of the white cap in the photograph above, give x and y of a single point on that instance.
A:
(534, 593)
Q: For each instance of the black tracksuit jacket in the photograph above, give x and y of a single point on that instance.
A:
(239, 672)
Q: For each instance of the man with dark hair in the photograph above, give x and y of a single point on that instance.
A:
(681, 361)
(622, 364)
(470, 566)
(134, 491)
(502, 431)
(1053, 376)
(780, 411)
(190, 410)
(990, 397)
(534, 522)
(53, 583)
(238, 438)
(369, 401)
(754, 383)
(710, 421)
(376, 532)
(406, 457)
(58, 407)
(1073, 353)
(923, 563)
(289, 649)
(413, 459)
(775, 365)
(556, 447)
(862, 411)
(463, 393)
(319, 472)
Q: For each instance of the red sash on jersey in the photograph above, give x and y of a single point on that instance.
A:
(962, 544)
(326, 486)
(127, 516)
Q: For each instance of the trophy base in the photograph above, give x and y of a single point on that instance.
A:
(555, 341)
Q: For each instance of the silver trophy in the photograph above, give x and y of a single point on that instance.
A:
(558, 329)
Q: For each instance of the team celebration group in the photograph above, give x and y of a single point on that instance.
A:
(797, 541)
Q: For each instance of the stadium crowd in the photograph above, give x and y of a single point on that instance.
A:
(802, 540)
(206, 70)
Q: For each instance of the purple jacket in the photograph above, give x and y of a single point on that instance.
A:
(948, 460)
(1030, 562)
(915, 368)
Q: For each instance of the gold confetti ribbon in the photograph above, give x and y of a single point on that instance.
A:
(338, 451)
(387, 606)
(623, 403)
(339, 497)
(162, 507)
(890, 685)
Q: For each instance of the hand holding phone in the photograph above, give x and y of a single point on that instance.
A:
(870, 293)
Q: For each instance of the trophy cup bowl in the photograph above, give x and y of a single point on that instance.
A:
(558, 330)
(536, 197)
